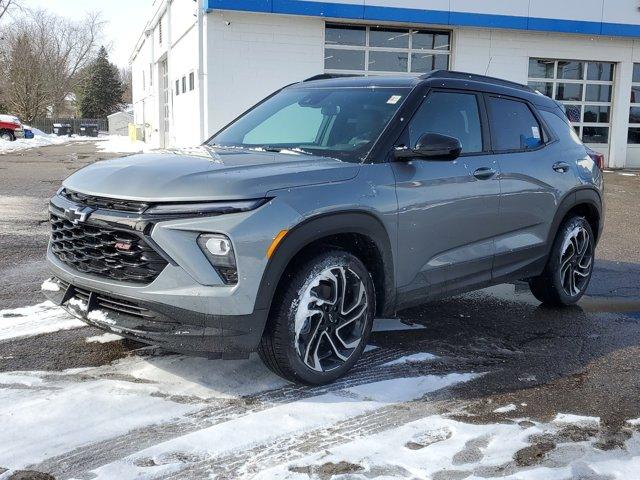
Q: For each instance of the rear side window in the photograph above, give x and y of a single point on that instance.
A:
(513, 125)
(449, 113)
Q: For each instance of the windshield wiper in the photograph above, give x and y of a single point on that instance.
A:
(295, 150)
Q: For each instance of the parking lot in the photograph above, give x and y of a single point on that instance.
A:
(484, 385)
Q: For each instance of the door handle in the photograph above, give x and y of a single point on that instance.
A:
(484, 173)
(562, 167)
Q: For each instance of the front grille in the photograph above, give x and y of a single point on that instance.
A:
(107, 302)
(104, 203)
(91, 249)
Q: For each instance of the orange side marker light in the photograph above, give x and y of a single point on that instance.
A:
(276, 241)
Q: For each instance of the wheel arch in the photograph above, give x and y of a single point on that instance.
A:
(585, 201)
(371, 243)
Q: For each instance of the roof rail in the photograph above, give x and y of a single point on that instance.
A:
(328, 76)
(477, 78)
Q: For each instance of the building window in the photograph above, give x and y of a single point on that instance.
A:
(184, 84)
(177, 87)
(151, 74)
(144, 81)
(585, 89)
(160, 30)
(634, 112)
(192, 81)
(384, 50)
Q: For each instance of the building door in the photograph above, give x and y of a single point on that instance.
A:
(164, 104)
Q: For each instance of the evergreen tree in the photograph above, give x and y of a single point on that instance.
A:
(101, 91)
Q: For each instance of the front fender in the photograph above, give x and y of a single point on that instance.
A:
(319, 227)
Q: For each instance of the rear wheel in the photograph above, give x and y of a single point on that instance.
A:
(7, 135)
(570, 265)
(321, 319)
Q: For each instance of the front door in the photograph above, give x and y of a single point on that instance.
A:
(448, 210)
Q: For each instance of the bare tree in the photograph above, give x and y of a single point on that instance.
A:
(42, 56)
(7, 5)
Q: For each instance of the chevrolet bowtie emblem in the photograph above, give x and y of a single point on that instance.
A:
(78, 214)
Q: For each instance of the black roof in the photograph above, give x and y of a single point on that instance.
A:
(444, 78)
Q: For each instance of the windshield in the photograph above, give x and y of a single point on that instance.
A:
(335, 122)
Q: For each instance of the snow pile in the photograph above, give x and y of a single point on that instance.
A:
(121, 144)
(35, 320)
(40, 139)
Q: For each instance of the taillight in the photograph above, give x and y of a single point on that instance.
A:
(598, 158)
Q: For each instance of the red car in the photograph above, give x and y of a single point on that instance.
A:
(10, 128)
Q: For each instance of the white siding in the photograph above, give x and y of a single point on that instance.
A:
(251, 55)
(185, 109)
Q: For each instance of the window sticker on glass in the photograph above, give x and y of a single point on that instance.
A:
(393, 99)
(536, 132)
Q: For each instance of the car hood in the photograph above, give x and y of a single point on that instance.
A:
(205, 173)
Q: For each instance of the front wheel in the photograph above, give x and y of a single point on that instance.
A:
(570, 265)
(321, 319)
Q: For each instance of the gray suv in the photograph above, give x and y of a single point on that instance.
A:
(331, 202)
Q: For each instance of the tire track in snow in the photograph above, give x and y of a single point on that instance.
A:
(249, 462)
(371, 368)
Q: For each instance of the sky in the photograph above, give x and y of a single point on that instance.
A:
(125, 20)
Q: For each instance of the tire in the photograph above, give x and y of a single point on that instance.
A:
(311, 337)
(7, 135)
(568, 271)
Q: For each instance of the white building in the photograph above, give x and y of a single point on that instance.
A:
(199, 64)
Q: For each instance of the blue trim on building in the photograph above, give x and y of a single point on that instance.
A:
(410, 15)
(435, 17)
(464, 19)
(565, 26)
(319, 9)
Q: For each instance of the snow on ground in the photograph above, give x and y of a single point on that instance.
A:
(439, 447)
(39, 140)
(104, 338)
(153, 416)
(46, 414)
(121, 144)
(415, 358)
(279, 421)
(34, 320)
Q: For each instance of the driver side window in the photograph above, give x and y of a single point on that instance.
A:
(449, 113)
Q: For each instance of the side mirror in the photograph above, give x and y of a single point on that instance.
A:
(431, 146)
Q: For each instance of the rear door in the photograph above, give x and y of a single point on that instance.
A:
(533, 179)
(448, 210)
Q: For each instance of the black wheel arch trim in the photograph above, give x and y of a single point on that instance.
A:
(326, 225)
(579, 196)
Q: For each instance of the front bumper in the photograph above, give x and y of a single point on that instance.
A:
(173, 328)
(188, 308)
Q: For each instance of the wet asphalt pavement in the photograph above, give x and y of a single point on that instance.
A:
(584, 359)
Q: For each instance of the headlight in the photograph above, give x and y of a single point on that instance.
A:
(206, 208)
(219, 251)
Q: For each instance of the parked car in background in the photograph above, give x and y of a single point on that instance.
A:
(331, 202)
(10, 128)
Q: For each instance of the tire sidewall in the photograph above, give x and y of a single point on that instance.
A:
(556, 255)
(301, 280)
(8, 136)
